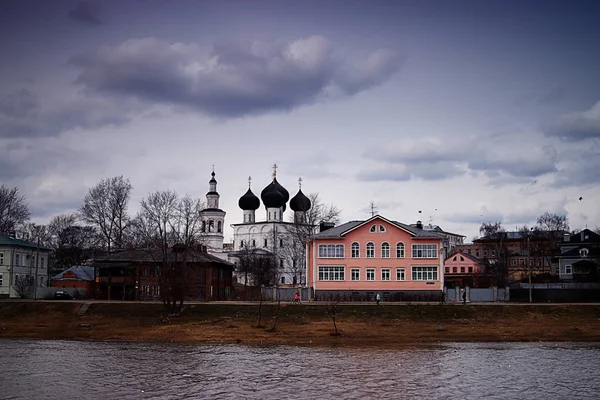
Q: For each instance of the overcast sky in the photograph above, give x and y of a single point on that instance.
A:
(468, 111)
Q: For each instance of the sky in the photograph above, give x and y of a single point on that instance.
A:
(468, 111)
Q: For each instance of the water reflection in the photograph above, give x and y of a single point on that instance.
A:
(74, 370)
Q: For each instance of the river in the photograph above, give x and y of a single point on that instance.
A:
(101, 370)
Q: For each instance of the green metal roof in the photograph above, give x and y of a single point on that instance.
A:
(9, 241)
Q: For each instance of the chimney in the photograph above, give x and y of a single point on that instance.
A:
(323, 226)
(419, 225)
(566, 237)
(12, 234)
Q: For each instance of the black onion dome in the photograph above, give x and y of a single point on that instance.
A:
(213, 180)
(249, 201)
(300, 202)
(272, 197)
(282, 190)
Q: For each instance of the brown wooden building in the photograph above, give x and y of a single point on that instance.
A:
(135, 275)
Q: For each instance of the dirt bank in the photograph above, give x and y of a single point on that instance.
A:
(306, 325)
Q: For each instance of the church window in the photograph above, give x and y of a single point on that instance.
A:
(265, 243)
(211, 225)
(280, 242)
(253, 242)
(242, 243)
(283, 280)
(219, 226)
(203, 226)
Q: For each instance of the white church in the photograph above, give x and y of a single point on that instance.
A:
(271, 235)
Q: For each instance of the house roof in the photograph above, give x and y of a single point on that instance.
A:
(342, 230)
(467, 255)
(83, 273)
(437, 228)
(155, 256)
(593, 252)
(6, 240)
(584, 236)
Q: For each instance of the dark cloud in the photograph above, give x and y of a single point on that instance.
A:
(577, 126)
(430, 159)
(21, 115)
(536, 162)
(238, 78)
(580, 168)
(86, 13)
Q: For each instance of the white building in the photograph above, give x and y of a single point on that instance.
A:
(23, 266)
(272, 235)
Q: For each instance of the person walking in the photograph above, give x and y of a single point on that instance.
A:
(377, 298)
(442, 298)
(464, 297)
(296, 298)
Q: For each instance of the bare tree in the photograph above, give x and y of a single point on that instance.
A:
(35, 233)
(13, 209)
(171, 229)
(24, 286)
(73, 244)
(105, 207)
(494, 240)
(332, 309)
(547, 235)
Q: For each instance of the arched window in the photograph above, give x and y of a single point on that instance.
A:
(373, 229)
(355, 250)
(219, 226)
(385, 250)
(400, 250)
(381, 228)
(370, 250)
(203, 226)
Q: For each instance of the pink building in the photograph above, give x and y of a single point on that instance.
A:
(462, 269)
(358, 259)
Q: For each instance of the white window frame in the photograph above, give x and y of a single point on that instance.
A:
(373, 229)
(385, 274)
(400, 274)
(400, 249)
(355, 274)
(331, 273)
(370, 274)
(370, 250)
(382, 229)
(385, 250)
(331, 251)
(425, 251)
(355, 250)
(1, 279)
(568, 270)
(425, 273)
(1, 258)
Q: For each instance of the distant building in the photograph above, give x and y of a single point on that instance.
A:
(213, 221)
(76, 277)
(579, 258)
(23, 264)
(462, 269)
(358, 259)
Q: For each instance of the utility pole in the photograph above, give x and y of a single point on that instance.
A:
(529, 268)
(37, 261)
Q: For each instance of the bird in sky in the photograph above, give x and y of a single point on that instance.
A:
(580, 198)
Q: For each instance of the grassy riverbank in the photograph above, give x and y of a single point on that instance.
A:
(359, 325)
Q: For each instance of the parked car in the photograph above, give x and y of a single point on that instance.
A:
(62, 295)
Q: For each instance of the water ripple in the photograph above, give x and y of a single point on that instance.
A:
(75, 370)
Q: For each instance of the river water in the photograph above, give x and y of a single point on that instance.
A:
(100, 370)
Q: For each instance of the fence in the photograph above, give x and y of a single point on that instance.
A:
(555, 295)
